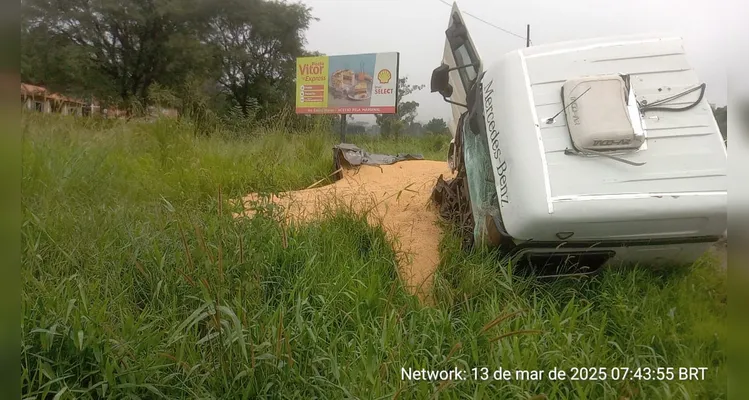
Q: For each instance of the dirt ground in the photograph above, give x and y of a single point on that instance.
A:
(398, 197)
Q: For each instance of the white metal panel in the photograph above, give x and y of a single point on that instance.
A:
(681, 141)
(515, 147)
(552, 192)
(540, 71)
(602, 44)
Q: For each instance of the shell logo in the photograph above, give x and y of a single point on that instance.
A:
(384, 76)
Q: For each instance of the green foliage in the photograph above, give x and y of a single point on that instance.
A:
(226, 64)
(355, 128)
(53, 61)
(394, 125)
(137, 282)
(437, 125)
(129, 44)
(258, 42)
(240, 53)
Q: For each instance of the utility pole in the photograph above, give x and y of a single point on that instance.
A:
(528, 35)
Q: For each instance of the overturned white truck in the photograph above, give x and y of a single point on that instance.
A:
(583, 153)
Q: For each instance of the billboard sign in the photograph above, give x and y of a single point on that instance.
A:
(348, 84)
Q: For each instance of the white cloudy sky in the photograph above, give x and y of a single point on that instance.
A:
(713, 32)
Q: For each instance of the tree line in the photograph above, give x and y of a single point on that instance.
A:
(233, 59)
(239, 54)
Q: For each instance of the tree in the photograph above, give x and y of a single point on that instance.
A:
(118, 47)
(396, 124)
(437, 125)
(355, 129)
(415, 129)
(258, 42)
(232, 56)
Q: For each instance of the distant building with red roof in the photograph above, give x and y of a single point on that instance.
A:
(38, 98)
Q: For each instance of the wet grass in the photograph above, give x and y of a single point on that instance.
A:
(138, 283)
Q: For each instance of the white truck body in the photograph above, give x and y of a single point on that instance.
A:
(669, 208)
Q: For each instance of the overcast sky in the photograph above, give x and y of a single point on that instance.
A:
(415, 28)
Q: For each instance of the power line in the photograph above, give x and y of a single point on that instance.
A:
(486, 22)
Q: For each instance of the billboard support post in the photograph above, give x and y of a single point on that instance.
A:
(343, 128)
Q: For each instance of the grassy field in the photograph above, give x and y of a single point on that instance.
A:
(138, 283)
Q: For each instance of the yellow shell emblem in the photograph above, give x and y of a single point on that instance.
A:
(384, 76)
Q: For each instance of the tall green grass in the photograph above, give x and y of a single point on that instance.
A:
(139, 283)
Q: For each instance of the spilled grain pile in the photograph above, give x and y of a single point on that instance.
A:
(395, 196)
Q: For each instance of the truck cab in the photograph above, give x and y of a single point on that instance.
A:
(596, 151)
